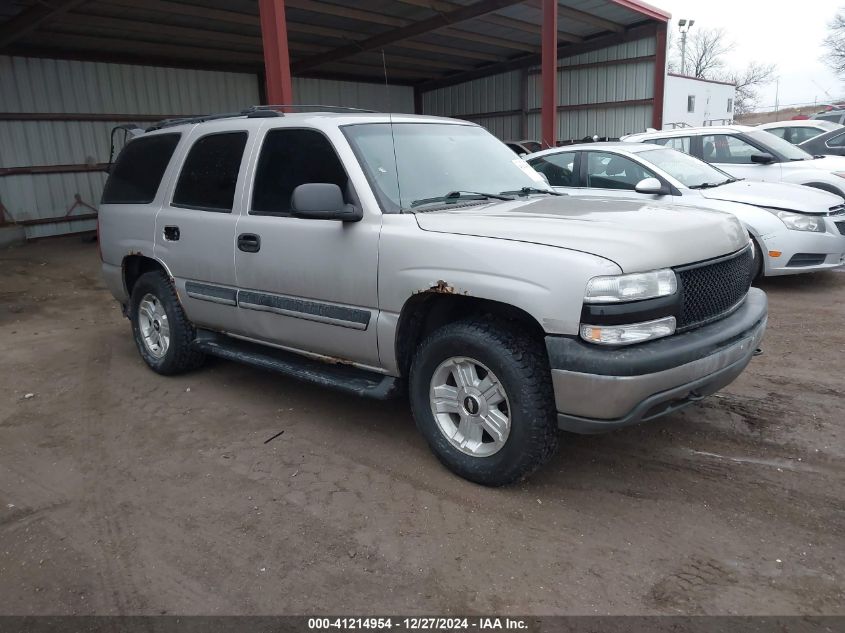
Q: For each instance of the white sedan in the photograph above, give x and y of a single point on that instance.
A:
(795, 229)
(753, 154)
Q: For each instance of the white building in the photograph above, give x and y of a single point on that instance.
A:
(695, 102)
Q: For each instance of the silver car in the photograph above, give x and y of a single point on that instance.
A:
(383, 255)
(795, 229)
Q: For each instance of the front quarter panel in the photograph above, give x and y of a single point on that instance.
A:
(546, 282)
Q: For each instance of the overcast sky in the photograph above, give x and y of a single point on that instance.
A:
(788, 34)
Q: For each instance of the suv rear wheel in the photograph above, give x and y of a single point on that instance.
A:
(482, 397)
(162, 332)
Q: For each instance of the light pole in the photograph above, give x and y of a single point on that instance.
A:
(684, 26)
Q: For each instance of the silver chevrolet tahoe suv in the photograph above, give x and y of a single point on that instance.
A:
(382, 254)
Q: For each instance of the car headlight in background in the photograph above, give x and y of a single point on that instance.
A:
(841, 174)
(629, 333)
(801, 222)
(631, 287)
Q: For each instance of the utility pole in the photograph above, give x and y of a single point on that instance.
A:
(684, 26)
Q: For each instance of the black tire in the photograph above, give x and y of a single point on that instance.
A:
(520, 363)
(758, 262)
(180, 355)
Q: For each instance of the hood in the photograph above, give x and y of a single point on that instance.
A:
(822, 163)
(637, 236)
(775, 195)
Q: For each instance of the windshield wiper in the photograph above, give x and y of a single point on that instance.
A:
(527, 191)
(710, 185)
(454, 196)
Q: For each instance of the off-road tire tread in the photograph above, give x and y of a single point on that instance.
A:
(182, 356)
(529, 357)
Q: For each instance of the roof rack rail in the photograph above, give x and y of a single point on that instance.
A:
(252, 112)
(318, 107)
(193, 119)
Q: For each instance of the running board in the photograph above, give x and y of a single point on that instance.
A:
(340, 376)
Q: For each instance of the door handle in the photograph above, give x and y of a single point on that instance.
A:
(249, 242)
(171, 233)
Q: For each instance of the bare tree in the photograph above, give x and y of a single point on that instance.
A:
(747, 82)
(705, 59)
(705, 52)
(834, 43)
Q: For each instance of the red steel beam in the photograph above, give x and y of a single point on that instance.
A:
(659, 77)
(274, 33)
(549, 73)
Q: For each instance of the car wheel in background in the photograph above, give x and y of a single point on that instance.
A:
(759, 268)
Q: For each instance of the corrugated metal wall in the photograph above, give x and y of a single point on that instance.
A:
(43, 86)
(498, 93)
(370, 96)
(613, 79)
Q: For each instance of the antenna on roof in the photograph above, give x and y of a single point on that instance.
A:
(392, 135)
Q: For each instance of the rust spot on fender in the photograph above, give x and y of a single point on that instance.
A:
(441, 287)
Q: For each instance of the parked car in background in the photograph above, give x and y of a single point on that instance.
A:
(521, 148)
(378, 253)
(752, 154)
(834, 115)
(794, 229)
(796, 132)
(828, 144)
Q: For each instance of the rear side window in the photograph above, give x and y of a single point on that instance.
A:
(290, 158)
(680, 143)
(136, 175)
(837, 141)
(210, 173)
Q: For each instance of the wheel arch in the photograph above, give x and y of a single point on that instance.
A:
(135, 265)
(424, 312)
(825, 187)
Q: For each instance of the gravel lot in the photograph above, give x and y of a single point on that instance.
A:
(122, 491)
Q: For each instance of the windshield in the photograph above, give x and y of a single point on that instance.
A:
(686, 169)
(434, 160)
(778, 146)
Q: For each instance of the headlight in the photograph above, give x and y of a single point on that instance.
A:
(800, 222)
(633, 287)
(628, 334)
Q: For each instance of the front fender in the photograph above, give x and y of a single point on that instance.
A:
(546, 282)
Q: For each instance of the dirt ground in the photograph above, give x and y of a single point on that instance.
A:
(124, 492)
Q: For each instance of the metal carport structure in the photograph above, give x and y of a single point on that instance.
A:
(507, 64)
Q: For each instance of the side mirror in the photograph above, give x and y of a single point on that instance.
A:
(322, 201)
(762, 159)
(652, 186)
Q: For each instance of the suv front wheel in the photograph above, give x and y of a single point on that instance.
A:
(482, 397)
(162, 332)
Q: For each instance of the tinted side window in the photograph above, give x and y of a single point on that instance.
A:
(210, 173)
(557, 168)
(722, 148)
(801, 134)
(136, 175)
(290, 158)
(777, 131)
(611, 171)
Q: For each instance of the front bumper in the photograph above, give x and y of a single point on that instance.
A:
(599, 389)
(830, 245)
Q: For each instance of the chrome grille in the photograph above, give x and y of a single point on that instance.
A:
(712, 289)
